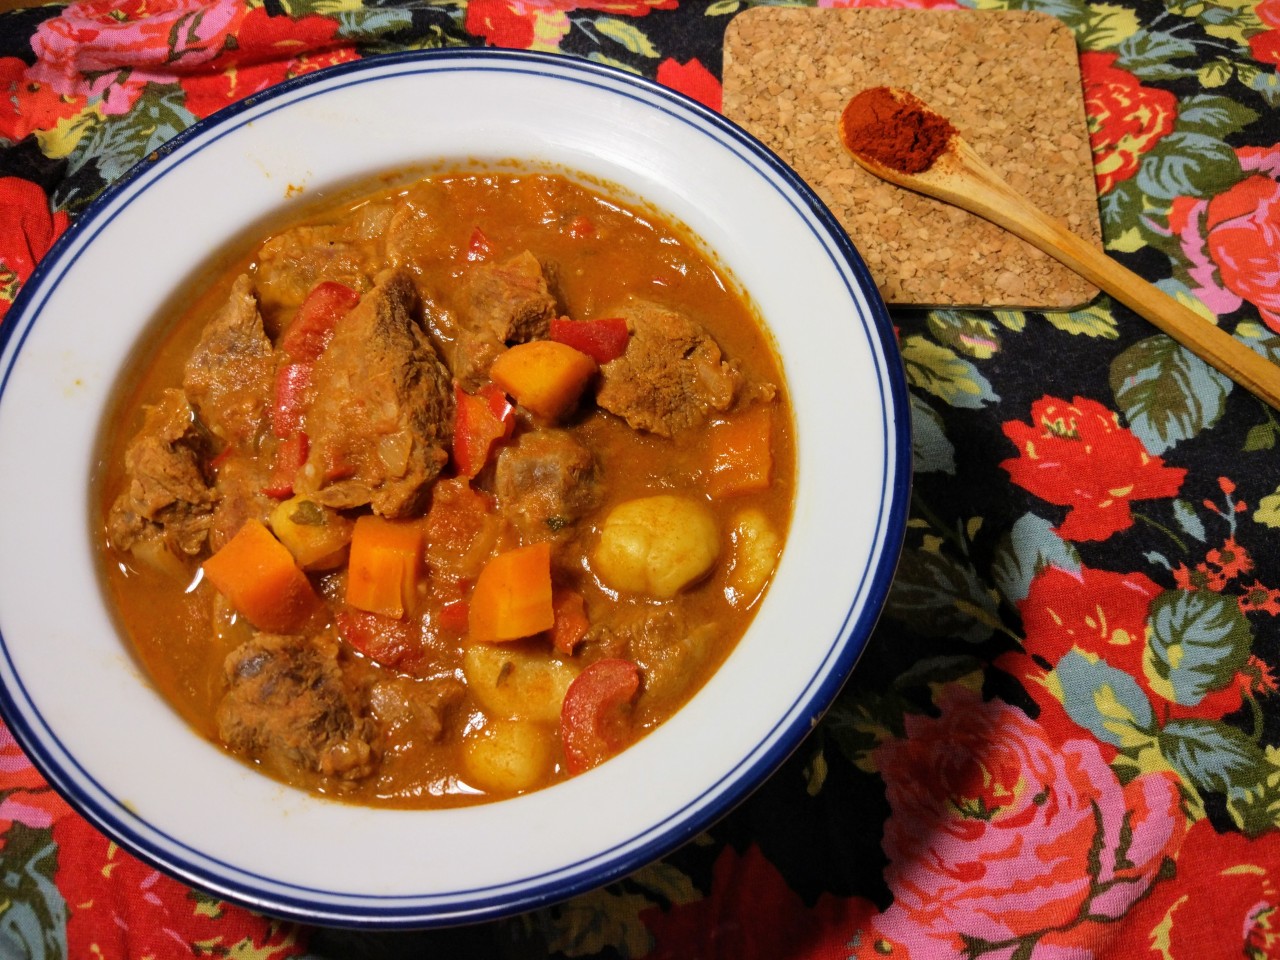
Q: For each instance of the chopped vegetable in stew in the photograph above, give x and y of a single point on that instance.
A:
(451, 491)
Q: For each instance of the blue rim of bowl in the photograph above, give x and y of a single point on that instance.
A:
(339, 908)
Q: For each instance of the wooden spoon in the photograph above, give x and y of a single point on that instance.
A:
(952, 172)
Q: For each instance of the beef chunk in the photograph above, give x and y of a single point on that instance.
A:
(668, 649)
(288, 706)
(508, 302)
(410, 710)
(294, 261)
(671, 376)
(238, 488)
(166, 499)
(230, 374)
(545, 481)
(380, 420)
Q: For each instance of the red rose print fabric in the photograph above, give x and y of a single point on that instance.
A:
(27, 231)
(1077, 455)
(1062, 741)
(1126, 119)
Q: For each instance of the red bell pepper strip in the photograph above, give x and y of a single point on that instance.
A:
(595, 715)
(571, 623)
(287, 409)
(289, 458)
(479, 421)
(313, 324)
(603, 340)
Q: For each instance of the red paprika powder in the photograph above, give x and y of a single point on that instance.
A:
(895, 130)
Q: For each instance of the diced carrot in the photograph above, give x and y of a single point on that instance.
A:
(512, 596)
(256, 572)
(544, 377)
(384, 566)
(571, 623)
(741, 453)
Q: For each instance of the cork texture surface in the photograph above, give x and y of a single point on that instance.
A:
(1009, 81)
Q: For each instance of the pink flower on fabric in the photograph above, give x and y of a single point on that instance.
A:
(111, 49)
(1232, 241)
(1005, 836)
(27, 798)
(893, 4)
(530, 24)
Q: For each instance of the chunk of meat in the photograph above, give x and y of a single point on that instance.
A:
(380, 421)
(668, 649)
(671, 376)
(508, 302)
(166, 499)
(462, 529)
(289, 707)
(230, 374)
(294, 261)
(410, 710)
(238, 487)
(544, 482)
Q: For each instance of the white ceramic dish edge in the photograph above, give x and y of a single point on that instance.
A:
(383, 868)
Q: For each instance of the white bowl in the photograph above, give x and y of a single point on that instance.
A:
(75, 697)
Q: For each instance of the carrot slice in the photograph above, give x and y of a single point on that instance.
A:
(741, 453)
(384, 566)
(256, 572)
(512, 596)
(544, 376)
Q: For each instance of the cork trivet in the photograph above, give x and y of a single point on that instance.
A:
(1009, 81)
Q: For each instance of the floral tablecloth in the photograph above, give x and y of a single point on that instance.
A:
(1063, 740)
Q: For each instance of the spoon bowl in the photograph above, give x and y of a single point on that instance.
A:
(957, 175)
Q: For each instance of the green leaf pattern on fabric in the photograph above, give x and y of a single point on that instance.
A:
(1197, 641)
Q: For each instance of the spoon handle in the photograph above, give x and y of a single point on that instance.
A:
(974, 186)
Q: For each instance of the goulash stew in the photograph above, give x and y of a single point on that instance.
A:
(449, 493)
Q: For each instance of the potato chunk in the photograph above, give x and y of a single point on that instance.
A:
(508, 756)
(656, 545)
(316, 535)
(516, 682)
(756, 546)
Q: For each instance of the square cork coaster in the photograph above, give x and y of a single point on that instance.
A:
(1009, 81)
